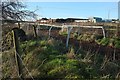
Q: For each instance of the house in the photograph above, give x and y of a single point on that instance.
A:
(115, 21)
(43, 20)
(95, 19)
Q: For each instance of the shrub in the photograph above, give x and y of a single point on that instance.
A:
(111, 42)
(117, 43)
(98, 37)
(63, 33)
(104, 41)
(21, 34)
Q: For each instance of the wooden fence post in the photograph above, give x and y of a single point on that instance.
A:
(17, 53)
(19, 25)
(34, 30)
(117, 34)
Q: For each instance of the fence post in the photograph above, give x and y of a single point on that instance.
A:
(34, 29)
(118, 30)
(68, 36)
(17, 53)
(50, 32)
(19, 25)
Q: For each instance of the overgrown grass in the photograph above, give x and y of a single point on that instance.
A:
(49, 59)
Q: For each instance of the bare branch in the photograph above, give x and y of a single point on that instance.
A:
(13, 11)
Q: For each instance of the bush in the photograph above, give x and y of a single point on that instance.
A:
(104, 41)
(111, 42)
(98, 37)
(117, 43)
(21, 34)
(63, 33)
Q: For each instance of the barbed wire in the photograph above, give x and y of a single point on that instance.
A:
(25, 67)
(11, 60)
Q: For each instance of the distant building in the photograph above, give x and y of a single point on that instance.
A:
(95, 19)
(69, 20)
(111, 20)
(43, 20)
(76, 20)
(119, 10)
(114, 21)
(107, 20)
(82, 20)
(60, 20)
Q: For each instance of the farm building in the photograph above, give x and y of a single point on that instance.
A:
(95, 19)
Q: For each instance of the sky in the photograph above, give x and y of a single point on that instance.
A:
(104, 10)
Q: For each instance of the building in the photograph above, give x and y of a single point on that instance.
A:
(43, 20)
(77, 20)
(82, 20)
(107, 20)
(114, 21)
(95, 19)
(119, 10)
(70, 20)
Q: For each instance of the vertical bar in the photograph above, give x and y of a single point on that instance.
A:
(50, 31)
(68, 36)
(103, 32)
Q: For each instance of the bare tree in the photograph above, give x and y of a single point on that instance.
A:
(15, 10)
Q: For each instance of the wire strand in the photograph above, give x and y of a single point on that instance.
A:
(25, 67)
